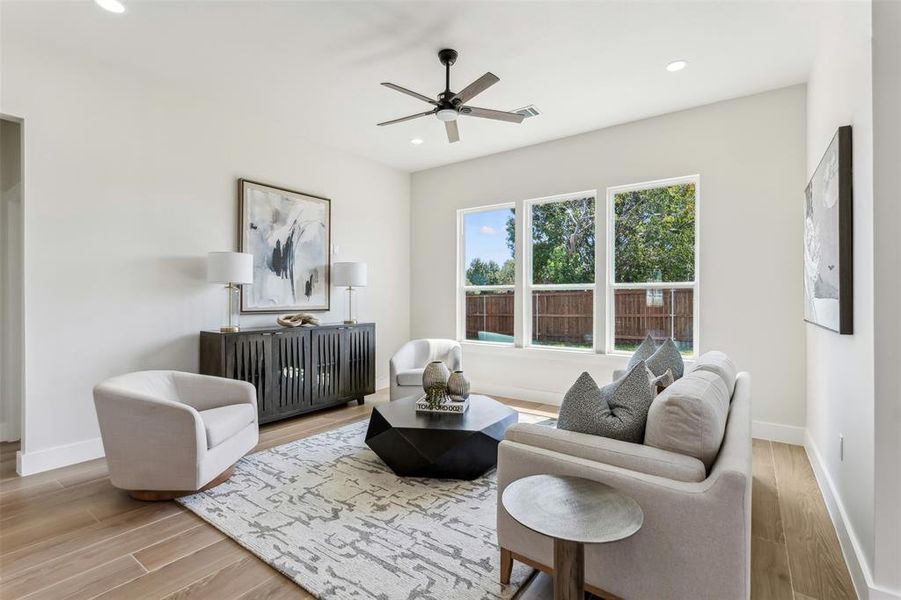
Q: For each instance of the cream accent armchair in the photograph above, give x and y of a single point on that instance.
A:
(407, 365)
(168, 433)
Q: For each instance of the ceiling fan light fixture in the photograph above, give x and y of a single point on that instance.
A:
(676, 65)
(416, 141)
(446, 114)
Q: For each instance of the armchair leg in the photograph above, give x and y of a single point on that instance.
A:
(506, 565)
(162, 495)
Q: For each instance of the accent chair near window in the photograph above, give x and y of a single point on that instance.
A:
(407, 364)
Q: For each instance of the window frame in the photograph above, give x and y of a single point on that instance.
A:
(462, 286)
(612, 285)
(528, 275)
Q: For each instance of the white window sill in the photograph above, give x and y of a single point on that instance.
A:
(617, 360)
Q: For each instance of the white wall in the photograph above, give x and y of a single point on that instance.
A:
(749, 153)
(840, 370)
(129, 184)
(887, 288)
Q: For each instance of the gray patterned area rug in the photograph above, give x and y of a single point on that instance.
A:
(329, 514)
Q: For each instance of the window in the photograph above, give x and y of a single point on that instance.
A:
(530, 273)
(488, 273)
(652, 264)
(561, 274)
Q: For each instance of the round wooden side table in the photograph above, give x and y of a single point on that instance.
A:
(573, 511)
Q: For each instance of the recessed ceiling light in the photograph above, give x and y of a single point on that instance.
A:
(114, 6)
(676, 65)
(416, 141)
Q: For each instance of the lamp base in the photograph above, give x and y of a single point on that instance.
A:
(350, 321)
(229, 329)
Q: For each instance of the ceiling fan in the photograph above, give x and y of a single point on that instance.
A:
(449, 105)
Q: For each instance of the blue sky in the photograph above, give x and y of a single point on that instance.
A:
(486, 236)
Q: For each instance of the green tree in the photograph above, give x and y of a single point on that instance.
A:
(562, 241)
(481, 272)
(654, 234)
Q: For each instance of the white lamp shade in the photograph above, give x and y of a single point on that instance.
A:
(229, 267)
(351, 274)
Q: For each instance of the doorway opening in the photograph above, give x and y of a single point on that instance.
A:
(12, 305)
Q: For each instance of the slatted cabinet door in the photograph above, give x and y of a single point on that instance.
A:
(247, 358)
(326, 366)
(358, 346)
(291, 374)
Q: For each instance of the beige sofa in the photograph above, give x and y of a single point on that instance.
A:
(696, 538)
(168, 433)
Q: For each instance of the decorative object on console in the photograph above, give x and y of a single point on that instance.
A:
(828, 254)
(434, 382)
(619, 410)
(458, 386)
(351, 275)
(289, 235)
(298, 320)
(295, 370)
(234, 269)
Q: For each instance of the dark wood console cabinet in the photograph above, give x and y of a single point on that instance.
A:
(295, 370)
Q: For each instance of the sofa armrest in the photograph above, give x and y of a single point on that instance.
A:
(203, 392)
(635, 457)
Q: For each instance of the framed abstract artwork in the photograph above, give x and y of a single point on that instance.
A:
(828, 255)
(289, 235)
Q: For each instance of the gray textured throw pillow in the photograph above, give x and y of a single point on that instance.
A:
(667, 356)
(619, 410)
(645, 350)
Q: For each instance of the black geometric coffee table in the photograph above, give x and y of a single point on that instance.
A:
(444, 446)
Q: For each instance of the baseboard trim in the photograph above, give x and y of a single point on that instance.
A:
(777, 432)
(861, 575)
(29, 463)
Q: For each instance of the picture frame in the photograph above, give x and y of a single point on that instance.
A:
(289, 235)
(828, 239)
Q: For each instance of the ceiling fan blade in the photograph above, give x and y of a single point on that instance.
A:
(487, 113)
(410, 118)
(453, 133)
(475, 88)
(404, 90)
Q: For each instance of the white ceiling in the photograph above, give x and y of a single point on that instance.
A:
(316, 67)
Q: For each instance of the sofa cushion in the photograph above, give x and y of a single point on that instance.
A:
(626, 455)
(223, 422)
(618, 410)
(410, 377)
(645, 350)
(667, 356)
(717, 362)
(689, 417)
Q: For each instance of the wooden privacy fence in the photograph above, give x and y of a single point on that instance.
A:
(565, 316)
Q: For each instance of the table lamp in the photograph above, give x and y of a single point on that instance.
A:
(234, 269)
(351, 275)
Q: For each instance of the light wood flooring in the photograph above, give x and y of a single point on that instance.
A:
(69, 534)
